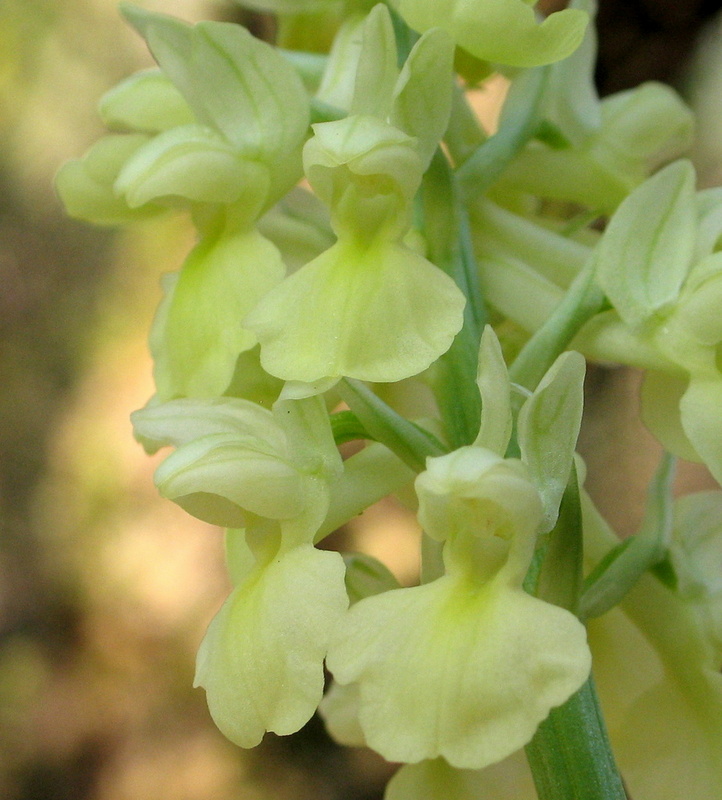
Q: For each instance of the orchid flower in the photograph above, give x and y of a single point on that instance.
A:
(595, 152)
(466, 629)
(228, 157)
(370, 307)
(239, 465)
(657, 264)
(357, 225)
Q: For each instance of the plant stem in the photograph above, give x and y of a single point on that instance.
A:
(520, 120)
(446, 228)
(570, 756)
(410, 442)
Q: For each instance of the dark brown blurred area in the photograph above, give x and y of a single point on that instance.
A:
(98, 626)
(642, 40)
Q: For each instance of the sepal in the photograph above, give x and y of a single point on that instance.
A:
(503, 31)
(147, 102)
(233, 462)
(573, 103)
(648, 246)
(492, 378)
(376, 70)
(423, 91)
(548, 428)
(242, 71)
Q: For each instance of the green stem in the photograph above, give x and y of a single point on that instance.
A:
(464, 135)
(410, 442)
(520, 120)
(570, 756)
(446, 227)
(582, 301)
(347, 427)
(369, 475)
(621, 568)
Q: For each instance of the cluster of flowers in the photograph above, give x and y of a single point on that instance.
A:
(368, 291)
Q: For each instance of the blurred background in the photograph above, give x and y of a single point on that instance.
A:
(106, 590)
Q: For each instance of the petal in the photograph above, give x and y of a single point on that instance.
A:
(217, 479)
(381, 314)
(85, 185)
(709, 212)
(457, 670)
(195, 163)
(702, 422)
(476, 492)
(367, 576)
(661, 395)
(339, 710)
(339, 77)
(659, 686)
(696, 555)
(510, 779)
(198, 337)
(261, 661)
(251, 382)
(697, 545)
(682, 756)
(299, 227)
(665, 727)
(367, 171)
